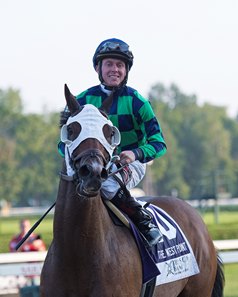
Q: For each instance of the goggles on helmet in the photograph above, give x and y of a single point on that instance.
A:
(113, 46)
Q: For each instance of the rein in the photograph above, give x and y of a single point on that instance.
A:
(33, 227)
(66, 178)
(74, 178)
(77, 180)
(89, 154)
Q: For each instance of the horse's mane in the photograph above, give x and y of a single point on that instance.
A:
(64, 115)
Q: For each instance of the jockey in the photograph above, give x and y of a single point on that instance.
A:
(141, 136)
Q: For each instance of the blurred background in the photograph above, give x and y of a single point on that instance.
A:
(185, 63)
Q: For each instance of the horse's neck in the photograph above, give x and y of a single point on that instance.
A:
(79, 218)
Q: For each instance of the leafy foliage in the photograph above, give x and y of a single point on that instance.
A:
(202, 146)
(29, 162)
(201, 162)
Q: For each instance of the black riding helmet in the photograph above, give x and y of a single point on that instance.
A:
(113, 48)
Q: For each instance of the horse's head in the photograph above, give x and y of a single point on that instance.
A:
(90, 139)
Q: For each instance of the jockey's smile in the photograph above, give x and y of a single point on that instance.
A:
(113, 72)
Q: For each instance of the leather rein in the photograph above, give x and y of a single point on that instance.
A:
(92, 153)
(77, 180)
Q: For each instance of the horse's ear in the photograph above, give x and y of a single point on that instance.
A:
(106, 105)
(72, 103)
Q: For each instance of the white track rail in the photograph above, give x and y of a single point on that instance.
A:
(228, 250)
(17, 268)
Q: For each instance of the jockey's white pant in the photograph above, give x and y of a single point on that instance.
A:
(111, 186)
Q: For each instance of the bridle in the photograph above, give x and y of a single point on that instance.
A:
(84, 156)
(79, 165)
(81, 171)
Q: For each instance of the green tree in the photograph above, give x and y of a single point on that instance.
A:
(207, 148)
(168, 171)
(29, 161)
(38, 158)
(10, 185)
(10, 114)
(232, 128)
(199, 161)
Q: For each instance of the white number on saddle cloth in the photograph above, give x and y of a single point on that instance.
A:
(170, 231)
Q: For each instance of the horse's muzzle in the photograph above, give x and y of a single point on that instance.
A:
(91, 178)
(87, 171)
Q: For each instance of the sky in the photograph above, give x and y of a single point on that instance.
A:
(47, 43)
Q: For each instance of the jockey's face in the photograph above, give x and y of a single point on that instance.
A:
(113, 72)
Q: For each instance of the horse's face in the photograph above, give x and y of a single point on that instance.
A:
(90, 139)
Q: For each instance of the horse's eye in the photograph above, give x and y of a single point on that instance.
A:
(73, 130)
(113, 133)
(70, 132)
(108, 133)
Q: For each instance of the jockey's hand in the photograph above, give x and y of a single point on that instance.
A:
(127, 157)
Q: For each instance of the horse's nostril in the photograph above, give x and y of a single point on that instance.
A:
(87, 171)
(104, 174)
(84, 171)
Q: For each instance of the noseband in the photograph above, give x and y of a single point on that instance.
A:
(85, 156)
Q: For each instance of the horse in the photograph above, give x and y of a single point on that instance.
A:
(89, 255)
